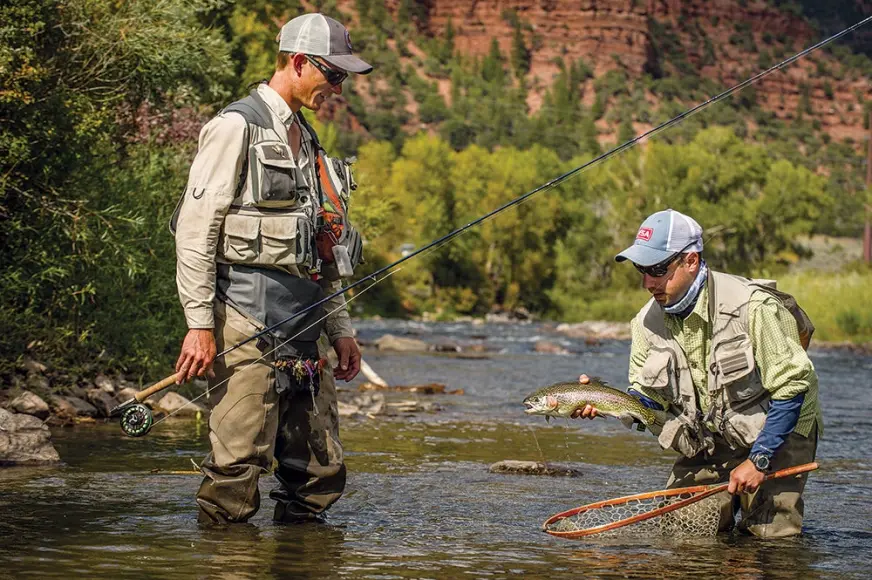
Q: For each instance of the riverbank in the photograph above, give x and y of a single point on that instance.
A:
(61, 399)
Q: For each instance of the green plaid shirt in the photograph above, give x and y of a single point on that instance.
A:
(784, 366)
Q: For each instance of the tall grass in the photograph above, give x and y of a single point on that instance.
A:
(839, 304)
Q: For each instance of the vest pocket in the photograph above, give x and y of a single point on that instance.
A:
(657, 374)
(285, 240)
(734, 359)
(269, 240)
(742, 423)
(239, 242)
(275, 176)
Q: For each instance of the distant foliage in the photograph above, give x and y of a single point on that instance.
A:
(87, 265)
(85, 269)
(554, 252)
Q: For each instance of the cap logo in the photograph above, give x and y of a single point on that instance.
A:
(348, 40)
(645, 234)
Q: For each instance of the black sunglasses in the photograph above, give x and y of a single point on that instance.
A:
(333, 76)
(657, 270)
(660, 269)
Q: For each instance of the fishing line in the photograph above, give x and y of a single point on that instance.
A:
(561, 178)
(439, 242)
(209, 389)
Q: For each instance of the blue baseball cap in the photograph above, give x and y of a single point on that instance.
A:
(661, 236)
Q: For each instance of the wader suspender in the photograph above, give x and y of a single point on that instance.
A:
(255, 112)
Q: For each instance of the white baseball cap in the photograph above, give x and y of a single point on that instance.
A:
(319, 35)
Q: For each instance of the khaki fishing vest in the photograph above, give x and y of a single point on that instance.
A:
(739, 402)
(273, 218)
(276, 214)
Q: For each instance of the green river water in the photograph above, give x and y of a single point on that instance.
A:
(420, 502)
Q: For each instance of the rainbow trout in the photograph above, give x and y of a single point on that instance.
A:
(561, 399)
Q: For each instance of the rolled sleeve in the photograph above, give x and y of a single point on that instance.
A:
(210, 190)
(784, 366)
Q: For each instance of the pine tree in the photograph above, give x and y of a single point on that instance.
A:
(520, 53)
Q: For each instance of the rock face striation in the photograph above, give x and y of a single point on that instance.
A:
(722, 39)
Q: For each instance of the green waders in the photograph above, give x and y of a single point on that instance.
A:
(250, 424)
(775, 510)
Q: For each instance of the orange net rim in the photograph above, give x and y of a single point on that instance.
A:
(699, 492)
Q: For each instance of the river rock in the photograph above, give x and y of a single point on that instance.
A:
(412, 406)
(398, 343)
(32, 366)
(38, 382)
(445, 347)
(102, 401)
(25, 440)
(174, 403)
(347, 409)
(546, 347)
(125, 394)
(72, 407)
(105, 384)
(533, 468)
(370, 403)
(30, 404)
(597, 329)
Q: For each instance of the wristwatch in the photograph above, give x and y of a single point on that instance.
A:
(761, 461)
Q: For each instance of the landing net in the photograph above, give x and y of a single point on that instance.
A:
(680, 512)
(698, 519)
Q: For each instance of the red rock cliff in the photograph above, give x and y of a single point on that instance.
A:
(612, 33)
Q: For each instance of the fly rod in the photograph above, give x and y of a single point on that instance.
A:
(135, 402)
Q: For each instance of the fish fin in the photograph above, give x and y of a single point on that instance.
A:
(627, 420)
(660, 417)
(547, 418)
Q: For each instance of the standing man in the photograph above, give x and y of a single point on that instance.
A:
(726, 359)
(261, 233)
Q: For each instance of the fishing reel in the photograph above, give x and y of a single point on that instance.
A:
(136, 420)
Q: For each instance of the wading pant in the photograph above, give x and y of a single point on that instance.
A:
(775, 509)
(250, 424)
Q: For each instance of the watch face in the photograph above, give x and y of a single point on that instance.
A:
(762, 462)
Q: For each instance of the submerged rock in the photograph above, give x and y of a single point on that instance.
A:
(25, 440)
(533, 468)
(428, 389)
(544, 346)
